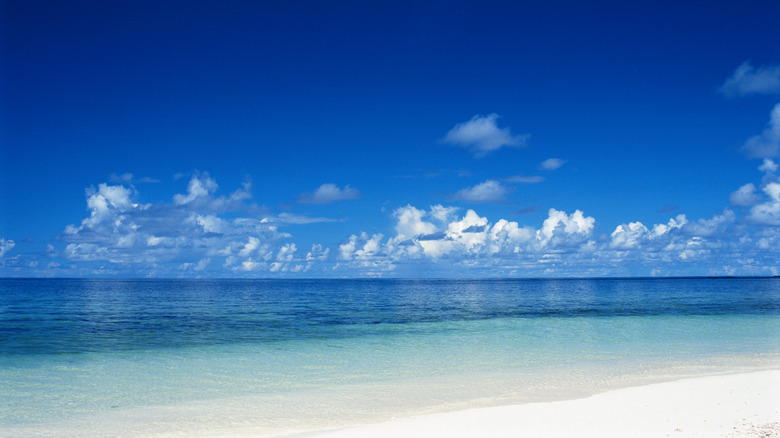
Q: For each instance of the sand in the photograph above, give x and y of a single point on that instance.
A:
(739, 405)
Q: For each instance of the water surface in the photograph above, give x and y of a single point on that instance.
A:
(267, 355)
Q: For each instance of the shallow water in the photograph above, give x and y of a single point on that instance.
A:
(137, 357)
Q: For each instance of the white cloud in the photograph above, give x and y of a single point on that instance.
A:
(560, 229)
(521, 179)
(488, 191)
(767, 144)
(347, 249)
(745, 196)
(551, 164)
(768, 166)
(286, 262)
(750, 80)
(202, 264)
(471, 239)
(191, 230)
(629, 236)
(410, 224)
(197, 267)
(470, 233)
(507, 237)
(678, 239)
(105, 203)
(768, 213)
(437, 239)
(708, 227)
(482, 136)
(199, 195)
(370, 247)
(286, 252)
(366, 255)
(212, 235)
(669, 227)
(251, 265)
(5, 246)
(251, 246)
(328, 194)
(773, 190)
(317, 253)
(443, 214)
(198, 187)
(87, 252)
(211, 223)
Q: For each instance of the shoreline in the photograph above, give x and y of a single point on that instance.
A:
(733, 403)
(728, 405)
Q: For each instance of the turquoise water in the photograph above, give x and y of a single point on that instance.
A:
(179, 358)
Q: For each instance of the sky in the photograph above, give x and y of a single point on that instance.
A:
(309, 139)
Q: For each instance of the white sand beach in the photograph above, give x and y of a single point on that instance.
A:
(738, 405)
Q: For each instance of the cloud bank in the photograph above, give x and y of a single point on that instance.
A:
(196, 233)
(201, 233)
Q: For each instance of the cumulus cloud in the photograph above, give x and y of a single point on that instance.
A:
(560, 229)
(629, 236)
(200, 266)
(287, 262)
(439, 233)
(745, 196)
(679, 239)
(107, 205)
(488, 191)
(768, 166)
(639, 239)
(250, 265)
(750, 80)
(198, 188)
(5, 246)
(361, 247)
(252, 245)
(563, 242)
(317, 253)
(552, 164)
(481, 135)
(202, 233)
(187, 233)
(709, 227)
(410, 223)
(768, 213)
(286, 252)
(767, 144)
(328, 194)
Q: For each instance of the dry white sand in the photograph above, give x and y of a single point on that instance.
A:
(740, 405)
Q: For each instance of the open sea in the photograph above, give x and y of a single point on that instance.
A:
(169, 358)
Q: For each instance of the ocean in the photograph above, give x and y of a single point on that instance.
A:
(111, 357)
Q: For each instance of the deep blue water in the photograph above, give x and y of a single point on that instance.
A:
(59, 316)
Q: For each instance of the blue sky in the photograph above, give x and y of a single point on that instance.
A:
(395, 139)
